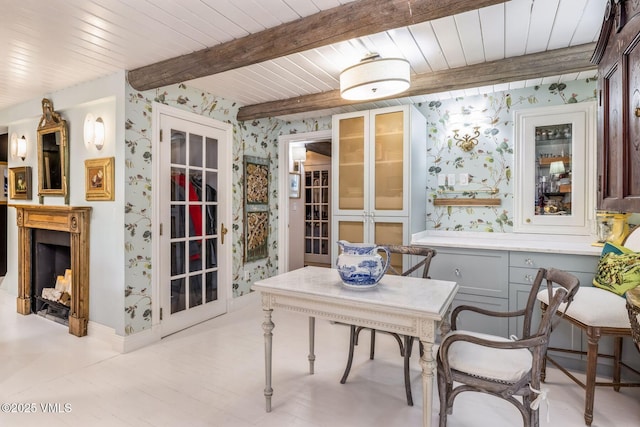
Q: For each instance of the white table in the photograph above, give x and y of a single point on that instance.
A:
(405, 305)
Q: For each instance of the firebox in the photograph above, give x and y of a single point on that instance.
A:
(51, 253)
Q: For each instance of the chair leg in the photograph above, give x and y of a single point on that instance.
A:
(593, 336)
(543, 370)
(408, 345)
(372, 349)
(443, 395)
(617, 355)
(352, 343)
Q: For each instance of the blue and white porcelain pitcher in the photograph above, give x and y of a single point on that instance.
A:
(360, 265)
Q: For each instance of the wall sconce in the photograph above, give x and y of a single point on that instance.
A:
(94, 131)
(298, 154)
(467, 142)
(18, 147)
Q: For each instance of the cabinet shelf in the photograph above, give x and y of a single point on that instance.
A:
(546, 161)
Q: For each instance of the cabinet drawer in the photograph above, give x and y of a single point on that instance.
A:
(568, 262)
(526, 276)
(477, 272)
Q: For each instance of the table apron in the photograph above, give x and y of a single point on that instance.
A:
(360, 314)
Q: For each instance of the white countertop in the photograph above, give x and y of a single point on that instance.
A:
(526, 242)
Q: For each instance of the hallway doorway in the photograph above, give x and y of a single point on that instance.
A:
(292, 214)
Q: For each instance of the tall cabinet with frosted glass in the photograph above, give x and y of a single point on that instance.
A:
(379, 176)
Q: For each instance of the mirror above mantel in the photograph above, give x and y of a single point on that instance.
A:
(53, 154)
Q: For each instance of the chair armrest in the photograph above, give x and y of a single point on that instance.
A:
(461, 308)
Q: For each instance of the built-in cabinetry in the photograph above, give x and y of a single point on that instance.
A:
(379, 176)
(500, 280)
(618, 57)
(554, 160)
(483, 280)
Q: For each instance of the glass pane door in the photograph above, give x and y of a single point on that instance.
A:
(388, 170)
(553, 169)
(194, 183)
(316, 183)
(351, 163)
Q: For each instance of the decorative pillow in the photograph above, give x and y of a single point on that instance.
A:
(618, 269)
(612, 247)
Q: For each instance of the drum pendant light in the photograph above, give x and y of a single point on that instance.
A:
(375, 77)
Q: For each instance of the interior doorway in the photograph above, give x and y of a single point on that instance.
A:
(293, 210)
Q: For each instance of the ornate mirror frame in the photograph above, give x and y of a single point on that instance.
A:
(53, 154)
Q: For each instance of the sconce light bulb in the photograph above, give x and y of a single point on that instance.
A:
(21, 147)
(89, 129)
(98, 133)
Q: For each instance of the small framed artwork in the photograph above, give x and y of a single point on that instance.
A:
(294, 185)
(20, 183)
(99, 179)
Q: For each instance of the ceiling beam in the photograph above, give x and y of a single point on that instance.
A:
(550, 63)
(341, 23)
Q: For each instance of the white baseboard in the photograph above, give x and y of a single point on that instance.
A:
(123, 344)
(238, 303)
(126, 344)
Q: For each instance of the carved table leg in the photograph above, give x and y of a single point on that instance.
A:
(312, 335)
(267, 327)
(428, 366)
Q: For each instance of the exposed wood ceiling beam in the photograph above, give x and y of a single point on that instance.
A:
(345, 22)
(550, 63)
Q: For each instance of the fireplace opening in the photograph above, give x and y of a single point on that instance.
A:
(51, 270)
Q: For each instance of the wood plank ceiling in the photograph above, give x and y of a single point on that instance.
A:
(48, 46)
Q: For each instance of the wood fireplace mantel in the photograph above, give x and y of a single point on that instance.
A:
(75, 221)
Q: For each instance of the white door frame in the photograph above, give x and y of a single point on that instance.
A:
(224, 216)
(284, 166)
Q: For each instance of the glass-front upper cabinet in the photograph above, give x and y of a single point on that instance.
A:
(555, 169)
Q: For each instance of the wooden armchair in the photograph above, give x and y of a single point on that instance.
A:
(424, 255)
(501, 366)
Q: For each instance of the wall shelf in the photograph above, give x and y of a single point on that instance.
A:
(466, 202)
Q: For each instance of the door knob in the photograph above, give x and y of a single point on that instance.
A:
(223, 230)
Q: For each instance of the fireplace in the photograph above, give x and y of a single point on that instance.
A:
(67, 247)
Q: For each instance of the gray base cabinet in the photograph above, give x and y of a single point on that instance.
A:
(501, 280)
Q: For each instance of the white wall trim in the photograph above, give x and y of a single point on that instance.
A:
(283, 189)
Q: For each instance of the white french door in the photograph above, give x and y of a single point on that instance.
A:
(194, 213)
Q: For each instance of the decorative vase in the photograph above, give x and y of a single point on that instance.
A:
(360, 266)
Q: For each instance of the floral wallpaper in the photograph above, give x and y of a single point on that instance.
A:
(490, 163)
(256, 138)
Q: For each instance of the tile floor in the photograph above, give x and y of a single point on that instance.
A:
(213, 375)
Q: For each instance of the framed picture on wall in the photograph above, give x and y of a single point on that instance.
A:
(256, 208)
(294, 185)
(20, 183)
(99, 179)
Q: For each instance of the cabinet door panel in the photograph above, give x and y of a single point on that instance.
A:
(351, 231)
(564, 335)
(554, 160)
(612, 139)
(478, 272)
(388, 163)
(631, 155)
(475, 322)
(351, 163)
